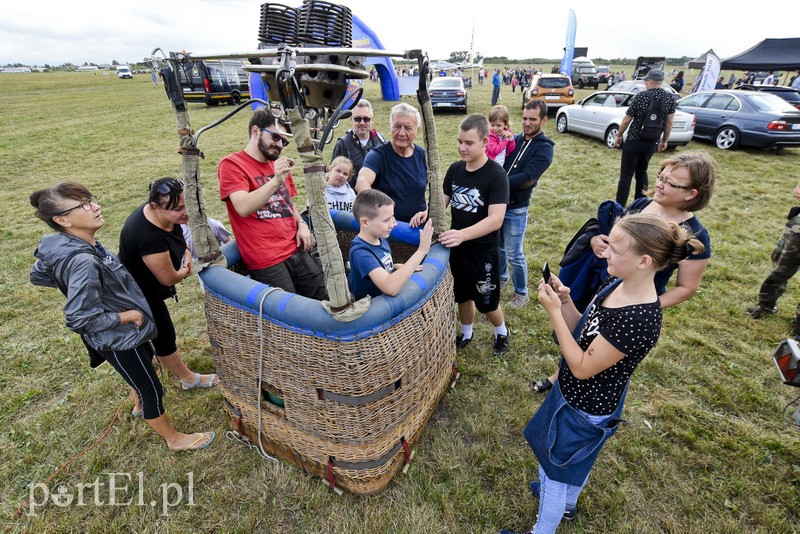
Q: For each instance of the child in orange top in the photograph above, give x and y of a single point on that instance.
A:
(501, 138)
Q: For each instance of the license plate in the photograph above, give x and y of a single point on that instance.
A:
(444, 104)
(678, 124)
(796, 126)
(551, 97)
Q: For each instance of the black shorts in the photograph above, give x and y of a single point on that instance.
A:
(476, 277)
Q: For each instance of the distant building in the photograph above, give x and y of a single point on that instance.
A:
(15, 69)
(84, 68)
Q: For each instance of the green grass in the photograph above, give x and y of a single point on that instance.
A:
(705, 447)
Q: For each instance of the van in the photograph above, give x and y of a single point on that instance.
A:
(213, 82)
(645, 64)
(584, 73)
(124, 71)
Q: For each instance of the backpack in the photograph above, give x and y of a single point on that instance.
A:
(654, 118)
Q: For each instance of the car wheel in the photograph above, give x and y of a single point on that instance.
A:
(611, 136)
(561, 123)
(728, 138)
(236, 98)
(580, 84)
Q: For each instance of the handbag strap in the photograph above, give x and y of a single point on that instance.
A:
(576, 332)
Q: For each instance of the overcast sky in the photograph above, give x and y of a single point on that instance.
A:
(55, 32)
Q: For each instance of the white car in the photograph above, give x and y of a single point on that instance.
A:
(600, 116)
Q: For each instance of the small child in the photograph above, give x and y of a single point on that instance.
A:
(501, 138)
(372, 270)
(338, 193)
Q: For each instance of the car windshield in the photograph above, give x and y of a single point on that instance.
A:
(446, 84)
(769, 102)
(554, 83)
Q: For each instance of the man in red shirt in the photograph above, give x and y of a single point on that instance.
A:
(257, 188)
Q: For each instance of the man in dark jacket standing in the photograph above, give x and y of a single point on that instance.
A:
(359, 140)
(525, 165)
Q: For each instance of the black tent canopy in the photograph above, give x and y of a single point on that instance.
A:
(700, 61)
(769, 54)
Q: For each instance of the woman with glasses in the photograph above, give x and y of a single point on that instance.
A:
(104, 305)
(359, 140)
(398, 168)
(684, 185)
(152, 247)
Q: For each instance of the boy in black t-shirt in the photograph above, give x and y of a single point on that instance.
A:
(477, 190)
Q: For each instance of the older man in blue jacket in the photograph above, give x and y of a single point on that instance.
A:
(525, 165)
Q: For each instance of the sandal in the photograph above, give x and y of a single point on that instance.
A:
(200, 437)
(198, 382)
(542, 385)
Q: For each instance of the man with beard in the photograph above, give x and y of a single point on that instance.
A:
(257, 188)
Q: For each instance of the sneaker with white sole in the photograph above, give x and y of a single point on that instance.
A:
(518, 301)
(501, 345)
(758, 311)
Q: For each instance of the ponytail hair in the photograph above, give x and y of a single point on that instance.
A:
(49, 202)
(664, 241)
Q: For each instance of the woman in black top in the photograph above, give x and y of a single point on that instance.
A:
(152, 247)
(615, 333)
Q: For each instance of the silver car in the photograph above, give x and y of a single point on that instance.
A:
(600, 116)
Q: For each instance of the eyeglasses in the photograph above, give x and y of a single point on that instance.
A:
(664, 180)
(86, 205)
(362, 119)
(168, 187)
(276, 137)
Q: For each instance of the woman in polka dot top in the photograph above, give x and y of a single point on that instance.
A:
(615, 333)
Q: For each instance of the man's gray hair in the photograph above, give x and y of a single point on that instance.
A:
(405, 110)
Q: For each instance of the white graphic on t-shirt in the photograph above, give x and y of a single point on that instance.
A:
(278, 206)
(387, 262)
(466, 199)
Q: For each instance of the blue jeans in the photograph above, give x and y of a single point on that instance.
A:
(556, 497)
(512, 236)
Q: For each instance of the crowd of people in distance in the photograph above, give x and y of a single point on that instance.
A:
(652, 257)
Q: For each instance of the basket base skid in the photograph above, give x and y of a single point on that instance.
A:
(345, 479)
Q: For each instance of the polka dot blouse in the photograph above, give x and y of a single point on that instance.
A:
(632, 330)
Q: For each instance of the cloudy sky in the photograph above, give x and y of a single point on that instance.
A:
(55, 32)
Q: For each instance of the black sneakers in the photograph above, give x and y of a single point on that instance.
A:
(758, 311)
(500, 345)
(461, 342)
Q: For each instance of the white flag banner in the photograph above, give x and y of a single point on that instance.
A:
(707, 79)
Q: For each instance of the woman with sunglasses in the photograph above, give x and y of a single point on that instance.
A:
(152, 247)
(684, 185)
(104, 305)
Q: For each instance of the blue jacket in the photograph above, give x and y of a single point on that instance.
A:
(581, 271)
(525, 165)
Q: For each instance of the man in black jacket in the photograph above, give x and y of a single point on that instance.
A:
(525, 165)
(359, 140)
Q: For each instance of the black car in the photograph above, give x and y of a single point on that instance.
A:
(448, 92)
(213, 82)
(792, 96)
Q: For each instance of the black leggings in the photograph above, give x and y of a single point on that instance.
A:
(165, 340)
(136, 367)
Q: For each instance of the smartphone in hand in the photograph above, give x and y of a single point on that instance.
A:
(546, 273)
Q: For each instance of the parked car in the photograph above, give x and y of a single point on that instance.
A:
(448, 92)
(600, 116)
(584, 73)
(602, 73)
(634, 86)
(733, 118)
(555, 89)
(792, 96)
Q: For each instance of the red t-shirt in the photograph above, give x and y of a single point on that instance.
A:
(267, 236)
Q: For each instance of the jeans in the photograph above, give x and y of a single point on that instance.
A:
(635, 159)
(495, 94)
(512, 236)
(555, 497)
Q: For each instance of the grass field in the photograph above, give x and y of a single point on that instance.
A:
(705, 448)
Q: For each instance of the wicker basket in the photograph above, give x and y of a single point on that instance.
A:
(347, 411)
